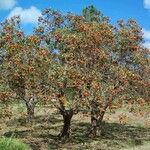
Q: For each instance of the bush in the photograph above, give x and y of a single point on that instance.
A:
(12, 144)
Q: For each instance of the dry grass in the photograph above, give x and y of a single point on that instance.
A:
(133, 131)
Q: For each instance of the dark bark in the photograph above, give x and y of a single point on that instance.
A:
(30, 109)
(97, 124)
(30, 112)
(67, 116)
(96, 119)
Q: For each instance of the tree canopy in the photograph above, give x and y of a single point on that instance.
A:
(76, 62)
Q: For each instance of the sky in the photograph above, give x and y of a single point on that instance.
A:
(30, 10)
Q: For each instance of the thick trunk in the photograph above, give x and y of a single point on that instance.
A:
(96, 119)
(67, 116)
(97, 124)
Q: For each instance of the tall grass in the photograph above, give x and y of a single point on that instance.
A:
(12, 144)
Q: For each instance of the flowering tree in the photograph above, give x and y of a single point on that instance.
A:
(107, 61)
(63, 85)
(25, 65)
(96, 64)
(75, 62)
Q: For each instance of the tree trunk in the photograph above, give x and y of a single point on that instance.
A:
(30, 108)
(67, 116)
(97, 124)
(96, 119)
(30, 112)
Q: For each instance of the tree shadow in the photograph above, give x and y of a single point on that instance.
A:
(17, 134)
(22, 121)
(114, 135)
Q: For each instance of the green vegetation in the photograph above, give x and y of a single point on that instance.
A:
(12, 144)
(77, 82)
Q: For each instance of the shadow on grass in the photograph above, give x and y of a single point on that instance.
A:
(114, 135)
(17, 134)
(22, 121)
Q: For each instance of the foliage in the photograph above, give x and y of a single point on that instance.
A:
(91, 14)
(26, 64)
(76, 62)
(102, 64)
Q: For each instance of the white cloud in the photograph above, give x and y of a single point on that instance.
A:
(147, 4)
(29, 15)
(146, 34)
(147, 44)
(146, 37)
(7, 4)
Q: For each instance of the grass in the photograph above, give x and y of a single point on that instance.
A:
(42, 134)
(12, 144)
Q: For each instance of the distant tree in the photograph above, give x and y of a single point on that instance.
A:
(91, 14)
(127, 34)
(26, 64)
(130, 54)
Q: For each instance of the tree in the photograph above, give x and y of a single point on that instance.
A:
(130, 54)
(124, 55)
(91, 14)
(75, 62)
(91, 62)
(65, 92)
(106, 60)
(26, 64)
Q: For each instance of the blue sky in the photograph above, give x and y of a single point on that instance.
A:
(115, 9)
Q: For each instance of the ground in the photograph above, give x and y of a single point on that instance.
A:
(122, 130)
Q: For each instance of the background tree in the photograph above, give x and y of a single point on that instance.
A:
(130, 54)
(26, 64)
(91, 14)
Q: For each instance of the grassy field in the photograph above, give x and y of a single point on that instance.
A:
(132, 133)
